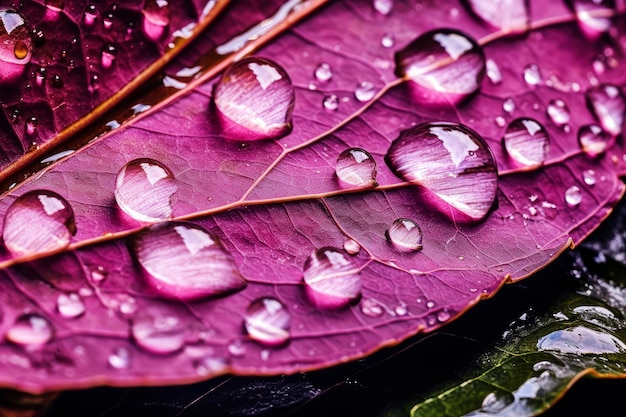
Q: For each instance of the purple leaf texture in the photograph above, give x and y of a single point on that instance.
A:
(291, 194)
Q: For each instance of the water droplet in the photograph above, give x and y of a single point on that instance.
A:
(237, 348)
(158, 333)
(109, 53)
(443, 316)
(581, 340)
(185, 261)
(210, 366)
(365, 91)
(90, 15)
(430, 304)
(267, 321)
(119, 358)
(144, 190)
(31, 125)
(371, 308)
(40, 76)
(589, 177)
(493, 71)
(573, 196)
(445, 66)
(452, 162)
(356, 167)
(383, 7)
(502, 14)
(496, 401)
(405, 235)
(127, 306)
(156, 17)
(257, 96)
(608, 105)
(500, 121)
(55, 5)
(588, 15)
(331, 279)
(38, 221)
(508, 105)
(593, 140)
(107, 20)
(99, 274)
(558, 112)
(388, 40)
(16, 47)
(351, 247)
(30, 330)
(526, 142)
(331, 103)
(70, 305)
(323, 72)
(57, 81)
(532, 74)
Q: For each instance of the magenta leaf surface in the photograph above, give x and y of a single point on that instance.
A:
(212, 233)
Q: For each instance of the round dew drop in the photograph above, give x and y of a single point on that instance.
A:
(526, 142)
(16, 47)
(30, 330)
(405, 235)
(255, 98)
(593, 140)
(159, 333)
(356, 167)
(156, 18)
(608, 104)
(267, 321)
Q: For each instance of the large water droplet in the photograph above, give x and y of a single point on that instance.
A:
(185, 261)
(593, 25)
(365, 91)
(510, 15)
(323, 72)
(38, 221)
(581, 340)
(156, 17)
(267, 321)
(452, 162)
(356, 167)
(257, 95)
(593, 140)
(444, 65)
(573, 196)
(158, 333)
(144, 190)
(70, 305)
(30, 330)
(526, 142)
(16, 46)
(331, 279)
(608, 104)
(405, 235)
(558, 112)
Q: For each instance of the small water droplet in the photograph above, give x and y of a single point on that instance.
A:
(237, 348)
(405, 235)
(31, 125)
(127, 306)
(119, 358)
(144, 190)
(383, 7)
(90, 15)
(445, 66)
(38, 221)
(185, 261)
(388, 40)
(573, 196)
(16, 47)
(158, 332)
(55, 5)
(356, 167)
(608, 105)
(257, 97)
(210, 366)
(109, 53)
(430, 304)
(500, 121)
(496, 401)
(508, 105)
(589, 177)
(323, 72)
(57, 81)
(588, 14)
(493, 71)
(443, 316)
(371, 308)
(510, 15)
(267, 321)
(452, 162)
(351, 247)
(365, 91)
(532, 74)
(558, 112)
(107, 20)
(593, 140)
(526, 142)
(99, 274)
(70, 305)
(156, 18)
(40, 76)
(331, 103)
(30, 330)
(331, 279)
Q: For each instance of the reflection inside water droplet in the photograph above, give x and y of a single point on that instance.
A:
(158, 332)
(593, 140)
(452, 162)
(185, 261)
(257, 96)
(608, 105)
(356, 167)
(267, 321)
(331, 279)
(444, 66)
(405, 235)
(526, 142)
(30, 330)
(16, 47)
(144, 189)
(38, 221)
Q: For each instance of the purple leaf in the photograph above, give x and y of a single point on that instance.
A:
(222, 226)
